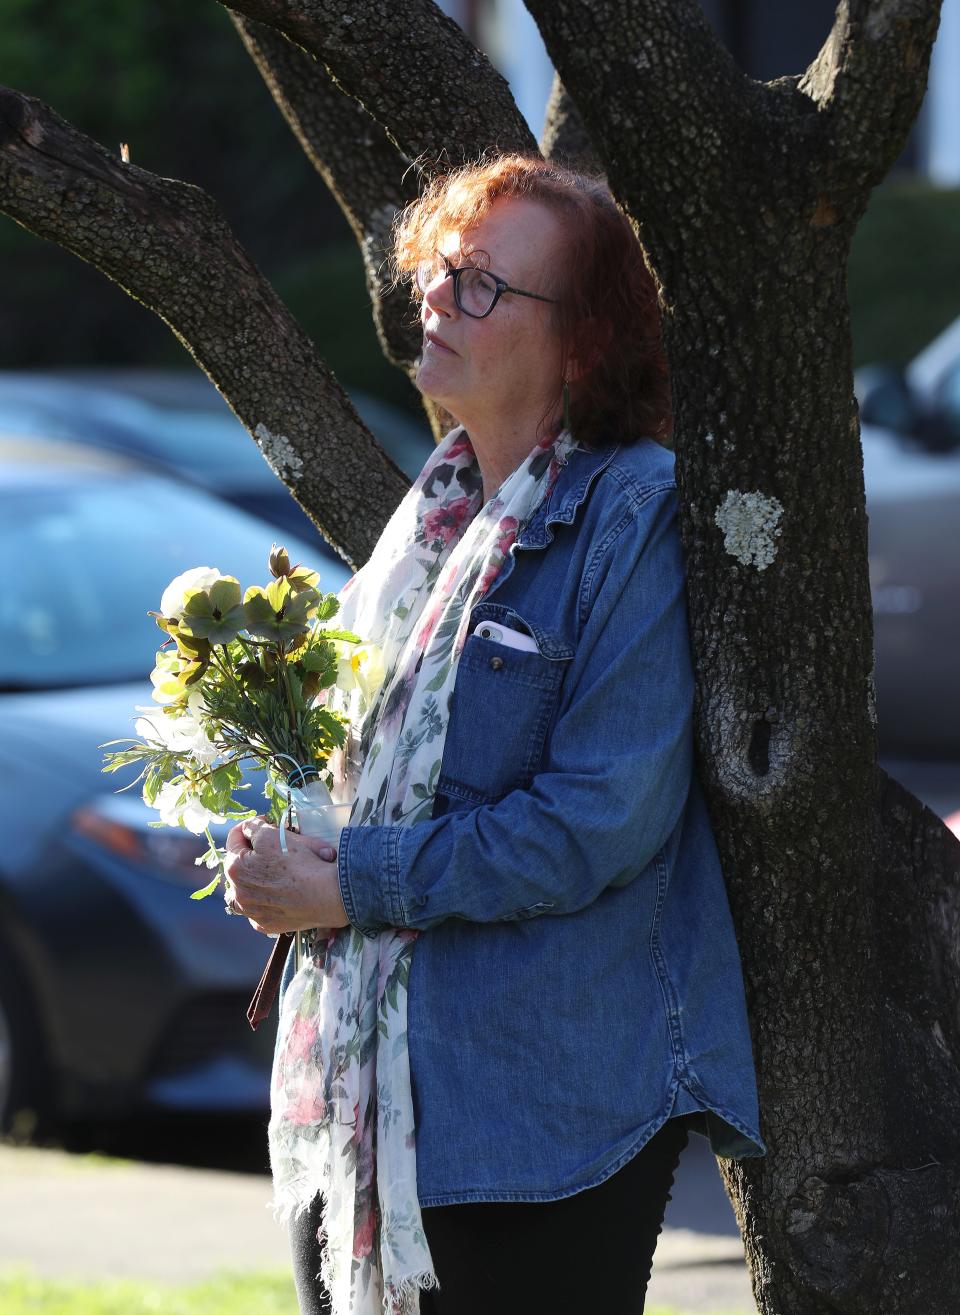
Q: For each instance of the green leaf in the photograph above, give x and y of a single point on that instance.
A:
(328, 607)
(151, 787)
(207, 890)
(114, 761)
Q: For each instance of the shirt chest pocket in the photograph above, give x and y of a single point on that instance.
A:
(502, 704)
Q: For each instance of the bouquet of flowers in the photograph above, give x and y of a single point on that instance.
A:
(243, 679)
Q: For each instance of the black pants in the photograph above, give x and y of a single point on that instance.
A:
(591, 1252)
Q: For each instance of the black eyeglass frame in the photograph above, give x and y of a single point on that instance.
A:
(501, 286)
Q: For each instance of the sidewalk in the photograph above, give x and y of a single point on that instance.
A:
(86, 1217)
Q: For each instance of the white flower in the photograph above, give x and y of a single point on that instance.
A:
(196, 818)
(185, 733)
(188, 812)
(199, 577)
(368, 670)
(149, 729)
(359, 666)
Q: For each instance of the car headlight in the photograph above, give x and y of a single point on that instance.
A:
(123, 830)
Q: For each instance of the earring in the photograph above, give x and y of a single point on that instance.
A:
(566, 406)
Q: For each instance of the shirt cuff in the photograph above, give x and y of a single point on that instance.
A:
(367, 867)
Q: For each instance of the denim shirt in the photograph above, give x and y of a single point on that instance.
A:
(577, 980)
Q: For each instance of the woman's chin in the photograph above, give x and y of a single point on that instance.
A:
(431, 387)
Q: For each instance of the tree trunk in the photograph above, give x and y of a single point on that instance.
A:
(845, 890)
(746, 197)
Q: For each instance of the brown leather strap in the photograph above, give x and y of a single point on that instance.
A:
(266, 992)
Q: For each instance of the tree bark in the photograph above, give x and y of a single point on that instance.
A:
(565, 138)
(167, 245)
(746, 197)
(411, 67)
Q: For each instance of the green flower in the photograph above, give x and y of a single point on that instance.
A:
(174, 674)
(301, 579)
(278, 561)
(190, 648)
(280, 612)
(215, 613)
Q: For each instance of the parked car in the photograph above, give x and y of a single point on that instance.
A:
(913, 501)
(911, 454)
(178, 423)
(920, 401)
(117, 992)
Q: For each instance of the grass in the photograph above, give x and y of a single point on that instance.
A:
(22, 1293)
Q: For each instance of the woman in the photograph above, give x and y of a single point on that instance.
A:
(529, 882)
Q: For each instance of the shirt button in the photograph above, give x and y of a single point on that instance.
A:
(496, 663)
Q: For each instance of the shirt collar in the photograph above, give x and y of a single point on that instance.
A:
(567, 495)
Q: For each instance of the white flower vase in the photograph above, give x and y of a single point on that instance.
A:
(316, 815)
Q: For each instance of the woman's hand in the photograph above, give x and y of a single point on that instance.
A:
(279, 892)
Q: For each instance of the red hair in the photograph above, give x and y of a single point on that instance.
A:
(606, 314)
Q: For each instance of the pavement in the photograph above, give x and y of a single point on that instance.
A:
(87, 1216)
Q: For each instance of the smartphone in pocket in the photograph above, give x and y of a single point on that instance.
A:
(510, 638)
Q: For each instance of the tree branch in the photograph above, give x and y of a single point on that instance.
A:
(167, 244)
(646, 76)
(565, 138)
(869, 79)
(411, 67)
(367, 175)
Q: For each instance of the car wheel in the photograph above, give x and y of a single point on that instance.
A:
(24, 1092)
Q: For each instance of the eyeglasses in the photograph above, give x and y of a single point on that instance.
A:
(475, 291)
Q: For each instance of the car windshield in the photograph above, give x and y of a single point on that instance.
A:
(84, 563)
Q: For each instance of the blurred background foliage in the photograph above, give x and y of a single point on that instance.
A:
(904, 270)
(175, 83)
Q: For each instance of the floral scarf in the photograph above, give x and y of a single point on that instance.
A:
(341, 1107)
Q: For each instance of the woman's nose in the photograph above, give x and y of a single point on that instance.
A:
(438, 297)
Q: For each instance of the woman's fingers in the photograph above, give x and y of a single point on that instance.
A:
(255, 827)
(234, 859)
(237, 840)
(279, 891)
(263, 838)
(322, 848)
